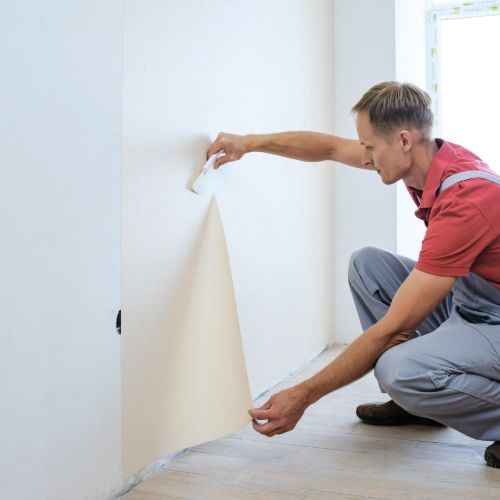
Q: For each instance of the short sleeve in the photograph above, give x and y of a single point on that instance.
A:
(456, 235)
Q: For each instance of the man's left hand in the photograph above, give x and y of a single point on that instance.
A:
(281, 412)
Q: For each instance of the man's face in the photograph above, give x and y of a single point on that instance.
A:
(386, 154)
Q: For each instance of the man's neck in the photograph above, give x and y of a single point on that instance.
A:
(423, 155)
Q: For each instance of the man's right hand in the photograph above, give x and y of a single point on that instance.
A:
(233, 145)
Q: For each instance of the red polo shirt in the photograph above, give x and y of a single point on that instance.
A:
(463, 222)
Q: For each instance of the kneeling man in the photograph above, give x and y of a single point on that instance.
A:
(431, 327)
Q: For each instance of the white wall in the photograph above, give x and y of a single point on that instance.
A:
(410, 67)
(60, 213)
(193, 69)
(365, 208)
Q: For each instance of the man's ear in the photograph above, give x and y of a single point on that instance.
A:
(406, 140)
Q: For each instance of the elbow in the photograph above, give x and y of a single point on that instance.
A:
(396, 330)
(398, 338)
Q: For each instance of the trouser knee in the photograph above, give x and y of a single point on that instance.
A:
(360, 262)
(400, 377)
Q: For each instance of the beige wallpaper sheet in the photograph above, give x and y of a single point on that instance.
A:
(204, 392)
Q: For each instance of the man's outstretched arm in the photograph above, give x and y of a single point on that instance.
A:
(305, 146)
(417, 297)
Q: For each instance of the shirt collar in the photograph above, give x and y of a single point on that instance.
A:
(435, 174)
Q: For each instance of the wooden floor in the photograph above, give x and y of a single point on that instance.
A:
(330, 454)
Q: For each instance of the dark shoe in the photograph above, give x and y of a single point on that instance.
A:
(492, 455)
(390, 413)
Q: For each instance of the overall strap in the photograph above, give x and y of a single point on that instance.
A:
(469, 174)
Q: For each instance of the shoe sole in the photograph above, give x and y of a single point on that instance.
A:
(393, 423)
(492, 460)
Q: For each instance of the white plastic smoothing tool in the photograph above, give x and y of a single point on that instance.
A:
(211, 180)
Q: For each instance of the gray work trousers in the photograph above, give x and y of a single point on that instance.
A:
(449, 370)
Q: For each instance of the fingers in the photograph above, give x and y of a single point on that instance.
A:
(217, 145)
(259, 413)
(220, 161)
(270, 428)
(266, 405)
(214, 148)
(279, 430)
(263, 412)
(232, 145)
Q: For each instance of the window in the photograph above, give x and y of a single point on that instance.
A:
(463, 72)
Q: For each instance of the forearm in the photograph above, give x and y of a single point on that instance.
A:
(417, 297)
(357, 360)
(307, 146)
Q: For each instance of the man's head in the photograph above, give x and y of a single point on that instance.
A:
(392, 120)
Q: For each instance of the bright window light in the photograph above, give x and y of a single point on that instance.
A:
(469, 85)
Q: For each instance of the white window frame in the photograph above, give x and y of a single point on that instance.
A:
(434, 16)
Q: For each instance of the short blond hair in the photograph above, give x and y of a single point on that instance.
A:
(392, 105)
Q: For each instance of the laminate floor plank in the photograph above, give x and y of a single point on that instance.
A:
(330, 455)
